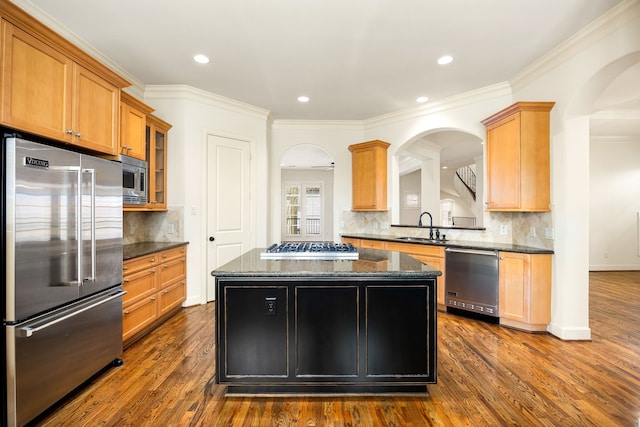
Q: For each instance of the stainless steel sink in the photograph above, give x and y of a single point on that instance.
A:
(421, 239)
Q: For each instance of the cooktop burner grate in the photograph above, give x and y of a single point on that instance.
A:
(311, 250)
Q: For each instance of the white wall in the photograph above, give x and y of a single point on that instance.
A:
(615, 206)
(193, 113)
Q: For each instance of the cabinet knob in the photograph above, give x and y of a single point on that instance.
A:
(126, 312)
(165, 266)
(153, 270)
(152, 298)
(124, 267)
(78, 134)
(69, 131)
(126, 280)
(211, 238)
(152, 260)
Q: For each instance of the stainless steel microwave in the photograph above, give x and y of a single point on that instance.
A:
(134, 181)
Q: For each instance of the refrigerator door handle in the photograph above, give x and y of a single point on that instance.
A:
(92, 277)
(77, 170)
(28, 331)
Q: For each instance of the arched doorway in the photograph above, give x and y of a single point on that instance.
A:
(307, 194)
(432, 168)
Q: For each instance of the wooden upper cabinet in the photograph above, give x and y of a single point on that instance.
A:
(157, 131)
(51, 88)
(95, 112)
(517, 157)
(36, 85)
(369, 175)
(133, 124)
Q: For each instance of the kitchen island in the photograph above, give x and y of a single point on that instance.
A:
(326, 326)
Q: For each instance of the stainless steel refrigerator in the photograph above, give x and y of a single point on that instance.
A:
(62, 246)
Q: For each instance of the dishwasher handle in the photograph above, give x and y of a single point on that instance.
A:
(472, 252)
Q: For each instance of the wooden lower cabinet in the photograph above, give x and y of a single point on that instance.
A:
(156, 288)
(525, 291)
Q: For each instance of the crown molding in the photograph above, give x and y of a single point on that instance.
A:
(456, 101)
(615, 18)
(185, 92)
(319, 124)
(616, 115)
(621, 139)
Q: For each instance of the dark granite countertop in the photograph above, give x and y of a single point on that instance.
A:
(371, 263)
(135, 250)
(457, 244)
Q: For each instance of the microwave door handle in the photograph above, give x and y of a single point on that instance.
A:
(92, 277)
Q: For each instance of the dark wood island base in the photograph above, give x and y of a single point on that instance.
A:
(326, 327)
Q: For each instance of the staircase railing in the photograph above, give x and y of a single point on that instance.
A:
(468, 178)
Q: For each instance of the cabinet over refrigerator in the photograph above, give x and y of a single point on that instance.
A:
(62, 246)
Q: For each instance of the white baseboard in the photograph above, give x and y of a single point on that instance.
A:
(571, 333)
(192, 301)
(619, 267)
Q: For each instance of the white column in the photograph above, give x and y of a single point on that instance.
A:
(570, 208)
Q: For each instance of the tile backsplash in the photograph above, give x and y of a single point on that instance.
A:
(533, 229)
(165, 226)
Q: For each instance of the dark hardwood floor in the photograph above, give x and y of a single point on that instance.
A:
(487, 376)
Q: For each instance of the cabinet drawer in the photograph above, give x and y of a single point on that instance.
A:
(417, 249)
(172, 297)
(354, 242)
(172, 253)
(138, 316)
(372, 244)
(137, 264)
(171, 270)
(139, 285)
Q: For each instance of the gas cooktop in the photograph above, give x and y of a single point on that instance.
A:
(310, 251)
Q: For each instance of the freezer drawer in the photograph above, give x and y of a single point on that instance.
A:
(50, 356)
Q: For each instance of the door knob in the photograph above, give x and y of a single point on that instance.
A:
(211, 238)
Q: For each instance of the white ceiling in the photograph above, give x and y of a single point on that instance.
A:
(355, 59)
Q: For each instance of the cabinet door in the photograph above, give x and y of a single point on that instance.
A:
(36, 85)
(171, 270)
(95, 112)
(138, 316)
(514, 286)
(503, 163)
(133, 125)
(171, 297)
(398, 318)
(139, 285)
(157, 146)
(326, 331)
(364, 180)
(254, 332)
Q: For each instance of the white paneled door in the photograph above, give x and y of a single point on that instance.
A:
(228, 202)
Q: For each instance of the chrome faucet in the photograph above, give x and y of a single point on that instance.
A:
(430, 223)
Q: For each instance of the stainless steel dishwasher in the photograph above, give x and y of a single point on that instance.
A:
(471, 284)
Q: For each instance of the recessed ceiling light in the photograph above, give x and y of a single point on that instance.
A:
(445, 167)
(201, 59)
(446, 59)
(303, 99)
(422, 99)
